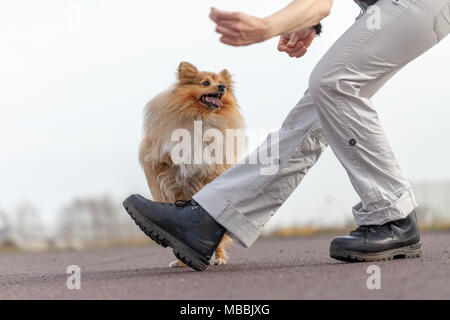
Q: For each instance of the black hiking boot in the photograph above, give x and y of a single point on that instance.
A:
(395, 239)
(184, 226)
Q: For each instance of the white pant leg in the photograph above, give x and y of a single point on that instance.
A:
(242, 199)
(360, 62)
(343, 82)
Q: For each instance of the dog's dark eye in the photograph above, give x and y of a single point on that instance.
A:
(205, 83)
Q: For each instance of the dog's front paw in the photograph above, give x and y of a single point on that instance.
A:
(220, 261)
(177, 264)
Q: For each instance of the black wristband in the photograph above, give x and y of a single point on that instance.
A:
(318, 28)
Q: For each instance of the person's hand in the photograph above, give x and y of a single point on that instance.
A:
(240, 29)
(295, 44)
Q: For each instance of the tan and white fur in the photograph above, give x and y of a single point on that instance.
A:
(196, 96)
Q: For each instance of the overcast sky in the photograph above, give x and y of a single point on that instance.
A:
(75, 75)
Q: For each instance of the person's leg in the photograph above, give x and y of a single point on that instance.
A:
(242, 199)
(343, 82)
(358, 64)
(341, 87)
(239, 201)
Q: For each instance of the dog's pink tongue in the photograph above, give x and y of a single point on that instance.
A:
(214, 100)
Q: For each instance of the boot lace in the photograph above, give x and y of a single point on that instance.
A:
(184, 203)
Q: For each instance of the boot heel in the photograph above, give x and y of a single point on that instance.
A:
(414, 251)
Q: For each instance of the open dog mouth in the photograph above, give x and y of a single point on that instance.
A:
(212, 100)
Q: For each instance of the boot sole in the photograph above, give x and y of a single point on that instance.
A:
(412, 251)
(187, 255)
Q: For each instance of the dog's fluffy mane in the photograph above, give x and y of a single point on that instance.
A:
(170, 111)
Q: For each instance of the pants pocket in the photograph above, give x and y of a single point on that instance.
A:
(442, 22)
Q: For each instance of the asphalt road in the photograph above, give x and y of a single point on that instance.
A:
(294, 268)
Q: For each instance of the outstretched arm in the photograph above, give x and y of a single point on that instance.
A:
(240, 29)
(299, 15)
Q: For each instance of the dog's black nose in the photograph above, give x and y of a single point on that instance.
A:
(221, 88)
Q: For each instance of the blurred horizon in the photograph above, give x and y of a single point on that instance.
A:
(76, 74)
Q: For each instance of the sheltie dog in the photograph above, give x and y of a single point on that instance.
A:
(197, 96)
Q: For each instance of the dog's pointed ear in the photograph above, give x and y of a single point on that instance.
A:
(226, 75)
(186, 70)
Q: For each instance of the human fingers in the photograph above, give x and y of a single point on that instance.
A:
(231, 24)
(309, 39)
(282, 43)
(297, 46)
(227, 32)
(293, 39)
(299, 53)
(232, 41)
(218, 15)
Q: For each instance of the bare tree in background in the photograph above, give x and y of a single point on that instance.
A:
(94, 221)
(74, 225)
(27, 227)
(5, 229)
